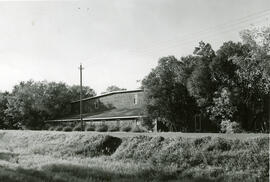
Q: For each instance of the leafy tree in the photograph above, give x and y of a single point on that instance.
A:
(166, 95)
(86, 92)
(5, 122)
(31, 103)
(222, 67)
(200, 84)
(222, 109)
(113, 88)
(253, 79)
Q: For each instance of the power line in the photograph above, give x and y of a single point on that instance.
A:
(210, 30)
(188, 40)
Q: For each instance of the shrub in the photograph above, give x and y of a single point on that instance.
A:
(102, 128)
(230, 127)
(51, 128)
(126, 128)
(77, 128)
(113, 128)
(59, 128)
(138, 129)
(220, 144)
(67, 128)
(201, 141)
(90, 128)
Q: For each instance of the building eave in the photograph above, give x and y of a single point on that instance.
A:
(97, 119)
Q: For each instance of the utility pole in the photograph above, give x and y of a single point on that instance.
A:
(81, 104)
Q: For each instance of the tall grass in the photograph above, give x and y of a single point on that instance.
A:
(62, 156)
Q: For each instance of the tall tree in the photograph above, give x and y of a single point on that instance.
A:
(200, 83)
(31, 103)
(86, 92)
(253, 79)
(166, 95)
(5, 122)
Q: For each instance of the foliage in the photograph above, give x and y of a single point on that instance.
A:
(113, 128)
(98, 145)
(138, 129)
(125, 128)
(67, 128)
(227, 126)
(253, 79)
(52, 128)
(90, 127)
(98, 157)
(77, 127)
(113, 88)
(167, 98)
(200, 83)
(86, 92)
(31, 103)
(102, 128)
(222, 109)
(5, 121)
(58, 128)
(231, 84)
(148, 124)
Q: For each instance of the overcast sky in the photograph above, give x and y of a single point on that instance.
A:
(117, 41)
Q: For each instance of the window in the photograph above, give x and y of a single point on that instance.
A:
(96, 105)
(136, 99)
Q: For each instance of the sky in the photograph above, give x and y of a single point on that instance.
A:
(118, 42)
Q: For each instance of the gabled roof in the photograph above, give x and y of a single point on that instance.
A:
(109, 93)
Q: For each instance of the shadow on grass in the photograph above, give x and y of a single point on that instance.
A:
(75, 173)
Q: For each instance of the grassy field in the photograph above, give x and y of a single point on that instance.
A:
(117, 156)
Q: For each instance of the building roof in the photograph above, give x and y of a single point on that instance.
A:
(113, 114)
(109, 93)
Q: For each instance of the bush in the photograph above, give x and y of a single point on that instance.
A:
(138, 129)
(77, 128)
(67, 128)
(126, 128)
(59, 128)
(102, 128)
(220, 144)
(113, 128)
(230, 127)
(51, 128)
(90, 128)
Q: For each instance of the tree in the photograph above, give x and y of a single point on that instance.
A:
(113, 88)
(222, 67)
(86, 92)
(200, 83)
(31, 103)
(167, 98)
(253, 79)
(222, 108)
(5, 122)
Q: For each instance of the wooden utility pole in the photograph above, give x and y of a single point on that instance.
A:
(81, 104)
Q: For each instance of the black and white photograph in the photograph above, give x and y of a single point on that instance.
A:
(134, 90)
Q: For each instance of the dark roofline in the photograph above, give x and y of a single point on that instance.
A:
(110, 93)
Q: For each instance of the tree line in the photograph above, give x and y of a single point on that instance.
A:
(31, 103)
(228, 88)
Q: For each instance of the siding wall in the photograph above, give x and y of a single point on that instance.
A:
(116, 100)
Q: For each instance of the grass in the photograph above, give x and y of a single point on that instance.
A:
(120, 156)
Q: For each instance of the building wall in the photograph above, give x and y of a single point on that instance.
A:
(117, 100)
(119, 123)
